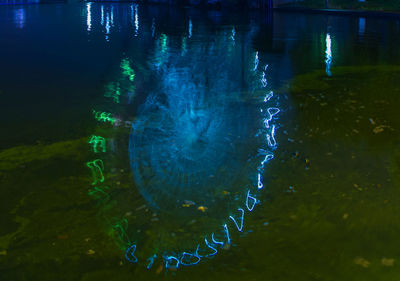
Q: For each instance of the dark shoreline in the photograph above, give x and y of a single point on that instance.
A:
(357, 13)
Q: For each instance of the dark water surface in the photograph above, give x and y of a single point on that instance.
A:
(181, 98)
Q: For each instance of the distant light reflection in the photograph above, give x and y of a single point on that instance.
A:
(153, 27)
(256, 61)
(361, 26)
(102, 15)
(136, 20)
(190, 27)
(89, 16)
(107, 27)
(112, 16)
(328, 54)
(20, 18)
(164, 43)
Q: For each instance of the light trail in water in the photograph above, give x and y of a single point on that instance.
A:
(174, 260)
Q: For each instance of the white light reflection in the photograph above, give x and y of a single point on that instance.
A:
(328, 54)
(89, 16)
(136, 20)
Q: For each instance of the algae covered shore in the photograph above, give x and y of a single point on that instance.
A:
(331, 211)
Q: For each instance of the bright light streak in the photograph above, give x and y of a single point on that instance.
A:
(89, 16)
(211, 247)
(250, 208)
(228, 238)
(169, 262)
(271, 137)
(240, 228)
(136, 20)
(185, 254)
(215, 241)
(259, 181)
(328, 54)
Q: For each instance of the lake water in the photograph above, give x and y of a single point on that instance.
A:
(152, 143)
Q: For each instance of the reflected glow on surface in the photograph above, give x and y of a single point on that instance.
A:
(136, 20)
(190, 28)
(88, 16)
(102, 15)
(19, 18)
(328, 54)
(361, 26)
(107, 27)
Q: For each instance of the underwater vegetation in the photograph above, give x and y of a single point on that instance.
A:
(338, 219)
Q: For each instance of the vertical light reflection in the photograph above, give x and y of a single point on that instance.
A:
(153, 27)
(361, 26)
(136, 20)
(190, 27)
(108, 26)
(102, 16)
(19, 18)
(233, 34)
(328, 54)
(112, 16)
(256, 61)
(184, 46)
(164, 43)
(89, 16)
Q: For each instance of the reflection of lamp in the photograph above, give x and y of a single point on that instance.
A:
(20, 18)
(361, 26)
(328, 54)
(89, 16)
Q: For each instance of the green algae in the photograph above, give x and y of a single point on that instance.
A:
(14, 157)
(340, 224)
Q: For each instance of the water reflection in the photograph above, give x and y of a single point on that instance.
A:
(89, 16)
(328, 54)
(19, 18)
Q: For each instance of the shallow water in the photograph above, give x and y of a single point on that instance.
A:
(185, 90)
